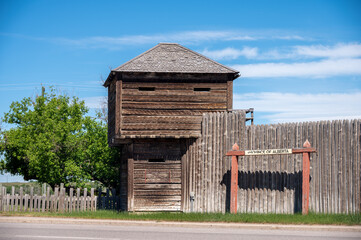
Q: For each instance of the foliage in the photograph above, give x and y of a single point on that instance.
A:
(54, 142)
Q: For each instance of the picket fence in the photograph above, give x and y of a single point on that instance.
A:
(59, 201)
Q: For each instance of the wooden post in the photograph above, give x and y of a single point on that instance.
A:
(21, 199)
(234, 180)
(100, 198)
(306, 179)
(48, 199)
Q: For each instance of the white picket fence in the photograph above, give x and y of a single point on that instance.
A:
(59, 201)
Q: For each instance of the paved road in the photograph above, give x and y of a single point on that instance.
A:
(106, 232)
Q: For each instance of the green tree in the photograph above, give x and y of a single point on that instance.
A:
(54, 142)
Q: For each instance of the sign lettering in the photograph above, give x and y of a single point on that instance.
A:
(268, 152)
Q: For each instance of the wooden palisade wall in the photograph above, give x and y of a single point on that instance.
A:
(273, 183)
(205, 166)
(335, 168)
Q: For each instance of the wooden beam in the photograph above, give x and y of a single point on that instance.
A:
(130, 178)
(118, 106)
(229, 95)
(303, 150)
(234, 178)
(235, 153)
(306, 179)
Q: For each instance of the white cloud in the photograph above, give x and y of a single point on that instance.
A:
(351, 50)
(323, 68)
(186, 37)
(242, 38)
(341, 50)
(290, 37)
(293, 107)
(231, 53)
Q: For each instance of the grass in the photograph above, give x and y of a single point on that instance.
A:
(312, 218)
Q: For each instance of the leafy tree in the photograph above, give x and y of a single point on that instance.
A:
(54, 142)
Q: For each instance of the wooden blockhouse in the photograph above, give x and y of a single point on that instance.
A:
(155, 107)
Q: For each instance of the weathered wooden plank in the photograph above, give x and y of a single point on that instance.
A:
(293, 169)
(344, 169)
(229, 95)
(166, 133)
(21, 195)
(223, 158)
(334, 168)
(203, 163)
(147, 174)
(284, 171)
(153, 192)
(157, 166)
(154, 200)
(290, 171)
(176, 92)
(130, 178)
(217, 151)
(348, 168)
(26, 202)
(174, 106)
(78, 203)
(199, 175)
(162, 119)
(328, 166)
(187, 98)
(313, 168)
(174, 86)
(156, 187)
(186, 147)
(157, 180)
(118, 106)
(160, 126)
(211, 149)
(162, 112)
(354, 164)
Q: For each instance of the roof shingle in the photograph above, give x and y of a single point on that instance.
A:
(172, 58)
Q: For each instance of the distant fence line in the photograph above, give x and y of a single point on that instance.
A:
(60, 201)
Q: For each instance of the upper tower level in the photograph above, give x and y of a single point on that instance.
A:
(164, 92)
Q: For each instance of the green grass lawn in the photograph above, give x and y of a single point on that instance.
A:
(312, 218)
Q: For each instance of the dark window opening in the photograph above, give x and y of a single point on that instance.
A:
(146, 88)
(156, 160)
(202, 89)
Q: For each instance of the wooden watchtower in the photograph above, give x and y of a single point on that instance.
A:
(156, 102)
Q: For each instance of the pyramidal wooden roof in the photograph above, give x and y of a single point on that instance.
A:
(172, 58)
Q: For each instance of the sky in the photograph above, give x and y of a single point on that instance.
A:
(298, 60)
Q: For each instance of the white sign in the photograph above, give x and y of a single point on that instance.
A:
(268, 152)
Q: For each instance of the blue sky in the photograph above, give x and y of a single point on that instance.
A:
(299, 60)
